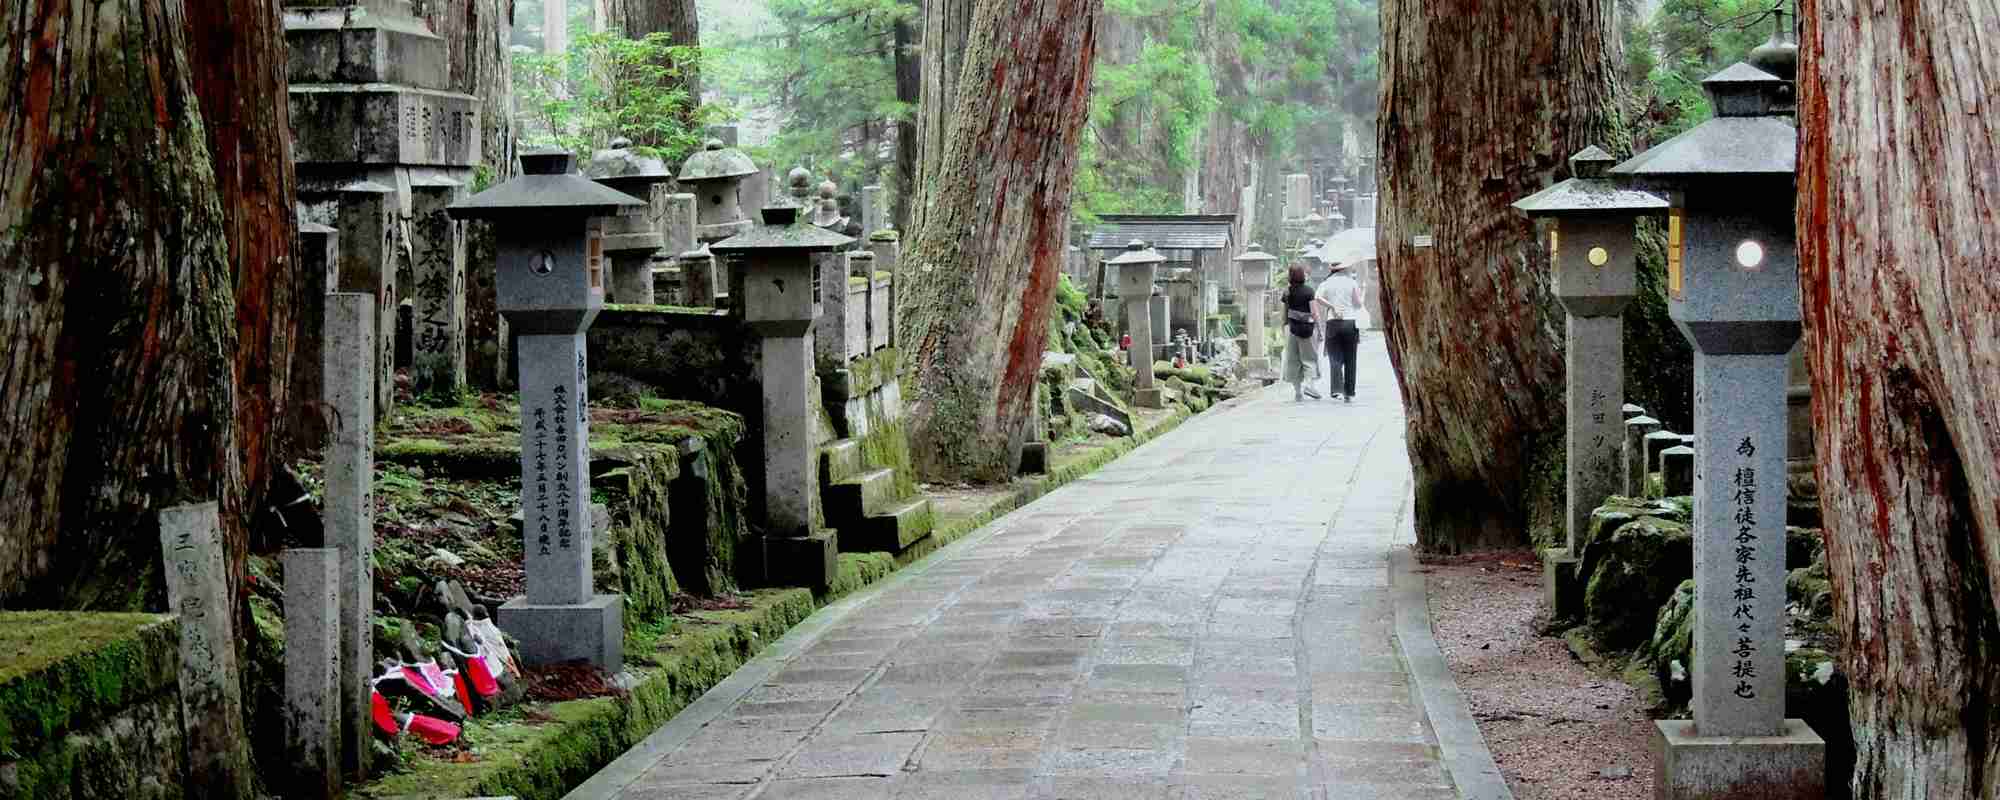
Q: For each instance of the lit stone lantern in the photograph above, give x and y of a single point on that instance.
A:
(1591, 242)
(1733, 289)
(1135, 286)
(715, 177)
(1255, 265)
(550, 224)
(630, 239)
(780, 301)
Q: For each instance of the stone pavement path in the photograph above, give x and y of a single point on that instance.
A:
(1209, 616)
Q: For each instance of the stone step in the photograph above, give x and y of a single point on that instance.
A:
(864, 495)
(892, 532)
(839, 461)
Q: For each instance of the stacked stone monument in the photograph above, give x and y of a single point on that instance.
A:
(780, 302)
(382, 147)
(1733, 290)
(1135, 287)
(715, 177)
(1255, 265)
(550, 225)
(632, 237)
(1591, 244)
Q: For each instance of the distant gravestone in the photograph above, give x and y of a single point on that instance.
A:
(438, 268)
(874, 212)
(312, 671)
(211, 693)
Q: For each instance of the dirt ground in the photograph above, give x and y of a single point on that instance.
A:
(1557, 729)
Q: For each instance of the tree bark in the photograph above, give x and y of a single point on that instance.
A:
(1479, 107)
(946, 26)
(677, 18)
(981, 274)
(117, 301)
(236, 51)
(909, 80)
(1897, 241)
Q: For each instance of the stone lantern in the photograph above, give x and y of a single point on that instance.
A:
(715, 177)
(781, 292)
(1591, 241)
(1733, 290)
(630, 238)
(550, 226)
(1255, 265)
(1135, 286)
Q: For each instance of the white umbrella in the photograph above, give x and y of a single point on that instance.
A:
(1348, 247)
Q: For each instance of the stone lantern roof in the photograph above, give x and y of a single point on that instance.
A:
(781, 231)
(1748, 138)
(1254, 253)
(1589, 193)
(716, 163)
(619, 167)
(546, 185)
(1137, 253)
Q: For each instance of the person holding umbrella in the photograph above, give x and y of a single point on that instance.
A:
(1338, 301)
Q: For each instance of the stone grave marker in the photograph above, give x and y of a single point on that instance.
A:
(312, 671)
(438, 295)
(347, 358)
(211, 692)
(1135, 287)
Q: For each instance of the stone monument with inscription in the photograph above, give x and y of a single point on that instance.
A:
(1733, 290)
(781, 289)
(1591, 242)
(382, 145)
(211, 692)
(550, 226)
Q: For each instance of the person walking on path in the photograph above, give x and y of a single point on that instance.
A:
(1338, 301)
(1301, 328)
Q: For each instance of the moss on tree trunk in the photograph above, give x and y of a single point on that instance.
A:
(982, 271)
(1479, 108)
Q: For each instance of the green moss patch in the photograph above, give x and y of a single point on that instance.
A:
(61, 670)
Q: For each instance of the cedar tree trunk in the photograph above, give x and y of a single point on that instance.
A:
(946, 25)
(117, 302)
(909, 80)
(982, 272)
(236, 50)
(1900, 263)
(1480, 104)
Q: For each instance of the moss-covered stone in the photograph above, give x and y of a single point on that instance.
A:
(138, 753)
(1667, 653)
(1633, 558)
(61, 671)
(639, 491)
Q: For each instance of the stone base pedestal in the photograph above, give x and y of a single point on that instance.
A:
(550, 634)
(1035, 458)
(1562, 587)
(1256, 366)
(808, 561)
(1148, 398)
(1789, 766)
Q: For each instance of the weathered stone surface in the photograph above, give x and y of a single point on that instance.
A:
(1692, 766)
(211, 689)
(348, 504)
(384, 124)
(1632, 561)
(333, 45)
(312, 671)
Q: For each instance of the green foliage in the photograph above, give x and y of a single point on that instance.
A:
(826, 68)
(1685, 42)
(607, 86)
